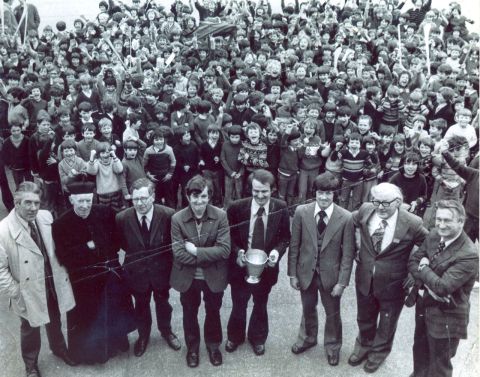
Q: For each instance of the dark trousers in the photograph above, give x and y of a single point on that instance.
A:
(377, 322)
(163, 311)
(212, 327)
(30, 336)
(20, 176)
(258, 325)
(332, 338)
(431, 356)
(7, 196)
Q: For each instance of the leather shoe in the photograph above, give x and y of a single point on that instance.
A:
(172, 341)
(33, 372)
(140, 346)
(355, 360)
(297, 349)
(258, 349)
(215, 357)
(333, 359)
(65, 357)
(371, 367)
(192, 359)
(231, 346)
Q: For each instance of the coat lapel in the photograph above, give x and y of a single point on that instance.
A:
(448, 252)
(366, 232)
(244, 222)
(272, 223)
(21, 235)
(332, 226)
(311, 225)
(135, 227)
(401, 228)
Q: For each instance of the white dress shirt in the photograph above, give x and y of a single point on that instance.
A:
(328, 212)
(149, 216)
(374, 224)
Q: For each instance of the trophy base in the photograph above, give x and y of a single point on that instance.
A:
(252, 279)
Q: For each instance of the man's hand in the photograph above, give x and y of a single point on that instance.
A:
(241, 258)
(152, 177)
(294, 283)
(167, 177)
(337, 290)
(191, 248)
(423, 262)
(273, 258)
(91, 245)
(408, 282)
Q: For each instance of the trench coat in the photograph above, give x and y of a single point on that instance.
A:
(22, 275)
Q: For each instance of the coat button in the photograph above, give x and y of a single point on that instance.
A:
(26, 261)
(27, 279)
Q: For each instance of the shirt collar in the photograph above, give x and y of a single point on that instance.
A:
(23, 222)
(328, 210)
(391, 221)
(449, 242)
(255, 207)
(149, 216)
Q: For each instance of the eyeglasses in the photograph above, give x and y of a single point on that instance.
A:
(141, 199)
(384, 204)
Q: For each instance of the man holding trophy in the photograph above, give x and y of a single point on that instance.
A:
(259, 226)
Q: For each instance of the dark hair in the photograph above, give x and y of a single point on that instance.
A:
(326, 182)
(197, 184)
(263, 176)
(68, 144)
(235, 130)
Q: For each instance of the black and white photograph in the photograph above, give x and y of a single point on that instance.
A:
(239, 188)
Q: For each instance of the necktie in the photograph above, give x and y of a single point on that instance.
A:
(36, 236)
(377, 236)
(145, 232)
(48, 269)
(258, 237)
(440, 248)
(321, 225)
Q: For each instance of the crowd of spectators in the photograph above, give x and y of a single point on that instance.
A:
(366, 89)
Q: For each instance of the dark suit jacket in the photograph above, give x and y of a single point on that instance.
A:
(389, 267)
(213, 249)
(452, 274)
(337, 251)
(144, 267)
(277, 235)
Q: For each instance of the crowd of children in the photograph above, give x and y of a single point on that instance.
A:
(144, 91)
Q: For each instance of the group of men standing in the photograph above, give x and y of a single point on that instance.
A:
(71, 265)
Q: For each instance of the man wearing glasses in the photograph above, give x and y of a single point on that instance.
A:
(143, 232)
(388, 233)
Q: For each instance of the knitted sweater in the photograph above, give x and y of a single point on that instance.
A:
(107, 175)
(132, 170)
(309, 153)
(253, 156)
(159, 163)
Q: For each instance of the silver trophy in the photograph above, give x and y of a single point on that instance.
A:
(255, 260)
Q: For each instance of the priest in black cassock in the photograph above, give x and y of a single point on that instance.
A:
(97, 327)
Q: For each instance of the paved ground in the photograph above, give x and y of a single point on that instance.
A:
(284, 312)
